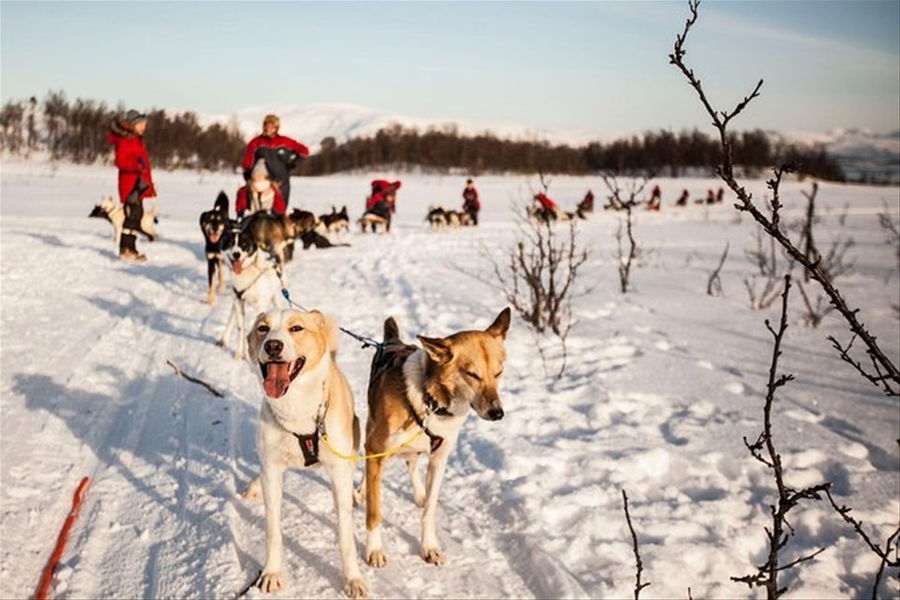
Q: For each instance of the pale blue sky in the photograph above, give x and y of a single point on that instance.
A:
(590, 65)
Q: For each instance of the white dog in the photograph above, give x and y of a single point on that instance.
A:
(114, 212)
(306, 398)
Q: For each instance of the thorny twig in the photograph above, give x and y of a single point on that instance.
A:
(638, 586)
(883, 553)
(763, 450)
(888, 374)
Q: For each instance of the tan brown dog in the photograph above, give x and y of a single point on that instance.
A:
(427, 389)
(272, 232)
(306, 398)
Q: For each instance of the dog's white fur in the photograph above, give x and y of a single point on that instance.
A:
(318, 384)
(115, 212)
(261, 286)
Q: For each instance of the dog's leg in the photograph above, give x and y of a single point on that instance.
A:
(342, 487)
(272, 483)
(374, 548)
(430, 551)
(210, 274)
(232, 318)
(220, 266)
(242, 341)
(418, 488)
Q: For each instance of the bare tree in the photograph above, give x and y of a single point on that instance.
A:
(538, 277)
(626, 200)
(763, 288)
(714, 283)
(763, 450)
(883, 373)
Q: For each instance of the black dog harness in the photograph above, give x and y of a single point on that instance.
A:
(309, 446)
(394, 355)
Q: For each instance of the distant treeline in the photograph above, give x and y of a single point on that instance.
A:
(75, 131)
(661, 153)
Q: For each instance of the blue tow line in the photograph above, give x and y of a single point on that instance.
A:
(367, 342)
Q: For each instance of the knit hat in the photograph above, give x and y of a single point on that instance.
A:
(133, 117)
(272, 119)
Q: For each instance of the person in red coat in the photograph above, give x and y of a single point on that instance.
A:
(135, 179)
(471, 204)
(655, 199)
(545, 202)
(383, 199)
(280, 153)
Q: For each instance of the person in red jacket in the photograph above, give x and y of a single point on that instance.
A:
(135, 179)
(655, 199)
(545, 202)
(280, 153)
(383, 199)
(471, 203)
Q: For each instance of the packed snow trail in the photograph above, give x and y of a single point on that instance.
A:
(662, 384)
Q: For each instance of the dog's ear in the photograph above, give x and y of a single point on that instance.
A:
(391, 329)
(318, 318)
(501, 324)
(438, 349)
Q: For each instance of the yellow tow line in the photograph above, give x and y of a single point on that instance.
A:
(377, 455)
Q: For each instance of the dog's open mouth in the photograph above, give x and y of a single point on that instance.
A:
(277, 376)
(214, 236)
(237, 266)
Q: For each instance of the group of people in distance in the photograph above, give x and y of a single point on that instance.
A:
(267, 163)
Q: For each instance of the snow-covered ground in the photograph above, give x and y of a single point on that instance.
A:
(662, 385)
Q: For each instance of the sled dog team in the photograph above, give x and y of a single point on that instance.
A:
(418, 395)
(418, 398)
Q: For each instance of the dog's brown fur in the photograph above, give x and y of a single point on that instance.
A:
(458, 371)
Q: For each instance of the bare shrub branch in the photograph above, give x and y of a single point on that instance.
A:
(714, 283)
(639, 564)
(885, 367)
(883, 553)
(538, 276)
(625, 199)
(763, 450)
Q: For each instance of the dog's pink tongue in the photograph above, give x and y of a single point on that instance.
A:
(278, 379)
(214, 237)
(237, 266)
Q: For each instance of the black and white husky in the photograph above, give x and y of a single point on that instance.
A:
(255, 280)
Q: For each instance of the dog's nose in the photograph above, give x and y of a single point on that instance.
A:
(236, 255)
(274, 347)
(495, 414)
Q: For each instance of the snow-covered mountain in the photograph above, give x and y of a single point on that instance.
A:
(858, 151)
(311, 123)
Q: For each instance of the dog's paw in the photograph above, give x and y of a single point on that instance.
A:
(238, 356)
(419, 499)
(269, 582)
(253, 490)
(433, 556)
(220, 343)
(356, 588)
(376, 558)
